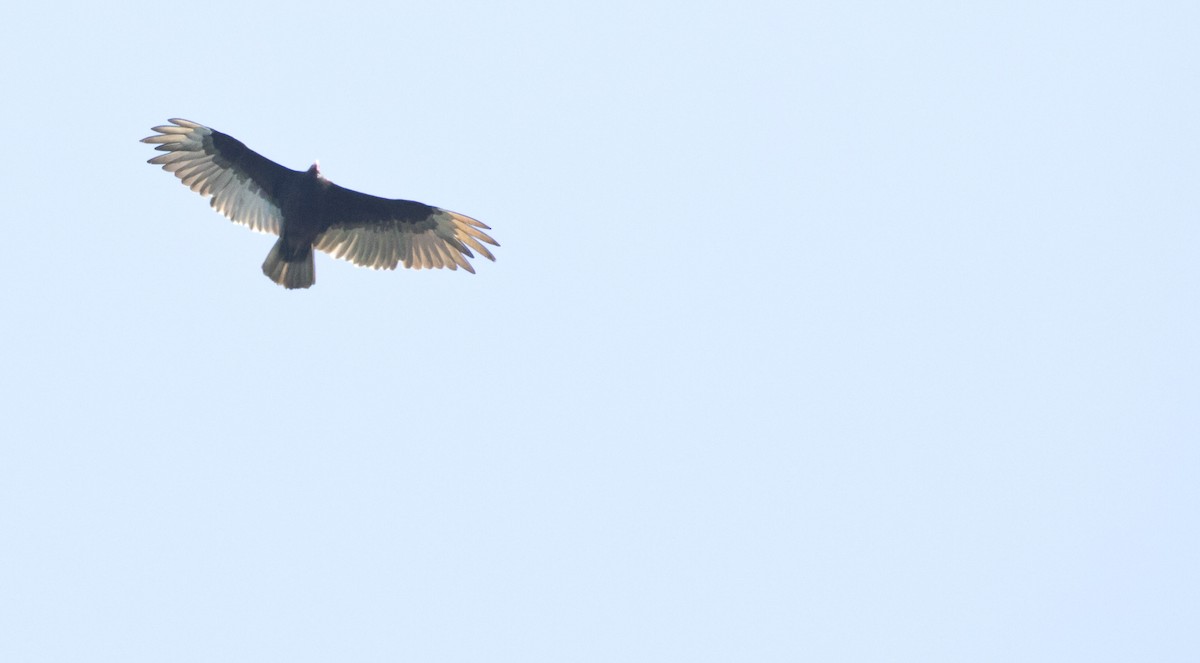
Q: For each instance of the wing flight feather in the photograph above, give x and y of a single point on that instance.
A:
(240, 182)
(382, 233)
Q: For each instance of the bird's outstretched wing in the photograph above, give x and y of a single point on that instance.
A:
(241, 182)
(381, 233)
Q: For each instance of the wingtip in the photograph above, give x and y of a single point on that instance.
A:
(468, 220)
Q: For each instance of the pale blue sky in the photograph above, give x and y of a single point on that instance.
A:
(839, 331)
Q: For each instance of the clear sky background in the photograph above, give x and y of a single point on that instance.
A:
(820, 331)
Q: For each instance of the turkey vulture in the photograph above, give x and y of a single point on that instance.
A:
(308, 211)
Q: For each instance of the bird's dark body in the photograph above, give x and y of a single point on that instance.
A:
(308, 211)
(304, 202)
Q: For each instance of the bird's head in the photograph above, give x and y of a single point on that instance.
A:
(315, 170)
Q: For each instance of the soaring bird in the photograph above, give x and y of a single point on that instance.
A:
(307, 211)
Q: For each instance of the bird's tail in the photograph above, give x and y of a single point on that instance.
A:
(288, 269)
